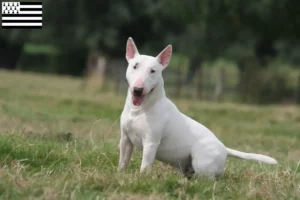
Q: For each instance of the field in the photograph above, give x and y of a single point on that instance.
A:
(58, 142)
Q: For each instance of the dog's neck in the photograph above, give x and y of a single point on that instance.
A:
(157, 94)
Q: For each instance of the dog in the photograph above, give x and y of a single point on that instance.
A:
(151, 123)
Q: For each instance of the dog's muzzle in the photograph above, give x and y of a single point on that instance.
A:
(138, 91)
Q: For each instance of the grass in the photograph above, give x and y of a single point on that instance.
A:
(58, 142)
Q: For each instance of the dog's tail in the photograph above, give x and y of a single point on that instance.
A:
(251, 156)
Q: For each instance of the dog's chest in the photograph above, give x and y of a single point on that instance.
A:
(135, 127)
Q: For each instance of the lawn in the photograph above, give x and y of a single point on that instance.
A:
(59, 142)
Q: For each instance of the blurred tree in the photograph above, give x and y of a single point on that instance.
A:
(78, 27)
(216, 26)
(204, 30)
(236, 30)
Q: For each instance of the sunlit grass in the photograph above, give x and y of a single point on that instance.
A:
(58, 141)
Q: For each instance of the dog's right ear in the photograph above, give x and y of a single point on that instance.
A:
(131, 50)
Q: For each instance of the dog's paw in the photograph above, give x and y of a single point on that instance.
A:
(145, 170)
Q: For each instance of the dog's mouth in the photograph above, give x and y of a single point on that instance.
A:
(137, 100)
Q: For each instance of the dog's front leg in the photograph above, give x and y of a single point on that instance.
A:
(149, 153)
(126, 148)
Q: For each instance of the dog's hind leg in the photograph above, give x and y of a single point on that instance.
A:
(188, 171)
(208, 160)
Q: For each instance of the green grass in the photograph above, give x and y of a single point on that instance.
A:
(58, 142)
(31, 48)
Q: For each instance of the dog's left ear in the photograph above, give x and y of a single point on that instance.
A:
(165, 56)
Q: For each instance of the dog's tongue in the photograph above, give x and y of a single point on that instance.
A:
(137, 100)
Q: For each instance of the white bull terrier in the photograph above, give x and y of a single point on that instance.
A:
(153, 124)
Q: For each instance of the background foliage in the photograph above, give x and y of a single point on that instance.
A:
(202, 31)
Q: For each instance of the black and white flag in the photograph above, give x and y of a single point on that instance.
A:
(22, 15)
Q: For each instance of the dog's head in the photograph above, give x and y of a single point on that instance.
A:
(144, 73)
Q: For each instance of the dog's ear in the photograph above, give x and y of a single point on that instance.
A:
(131, 50)
(165, 56)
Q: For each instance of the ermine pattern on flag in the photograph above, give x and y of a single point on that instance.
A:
(22, 15)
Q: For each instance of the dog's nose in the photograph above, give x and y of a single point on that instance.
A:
(137, 91)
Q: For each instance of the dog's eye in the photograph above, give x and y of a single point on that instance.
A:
(135, 66)
(152, 71)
